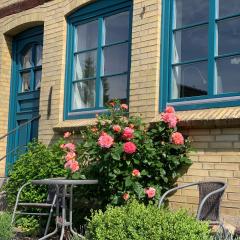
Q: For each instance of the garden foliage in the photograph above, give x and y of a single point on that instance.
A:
(140, 222)
(6, 230)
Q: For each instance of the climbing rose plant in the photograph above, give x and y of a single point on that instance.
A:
(129, 159)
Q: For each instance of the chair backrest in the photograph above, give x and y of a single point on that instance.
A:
(211, 208)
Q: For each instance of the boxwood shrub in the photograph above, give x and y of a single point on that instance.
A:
(140, 222)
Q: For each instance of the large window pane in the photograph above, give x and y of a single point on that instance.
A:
(117, 28)
(229, 36)
(27, 60)
(26, 81)
(83, 95)
(228, 72)
(228, 7)
(190, 80)
(190, 12)
(85, 65)
(191, 44)
(115, 59)
(87, 36)
(114, 88)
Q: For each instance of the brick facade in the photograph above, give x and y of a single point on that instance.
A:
(217, 145)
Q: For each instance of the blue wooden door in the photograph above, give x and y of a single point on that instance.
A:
(25, 91)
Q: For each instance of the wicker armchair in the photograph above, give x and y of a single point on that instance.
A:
(210, 194)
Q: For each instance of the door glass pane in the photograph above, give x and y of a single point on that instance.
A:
(117, 28)
(83, 95)
(228, 7)
(189, 12)
(190, 80)
(191, 44)
(27, 60)
(87, 36)
(115, 59)
(38, 77)
(114, 88)
(26, 82)
(38, 55)
(85, 65)
(229, 36)
(228, 72)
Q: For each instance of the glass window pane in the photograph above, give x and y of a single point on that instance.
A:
(26, 81)
(115, 59)
(191, 44)
(190, 80)
(228, 7)
(228, 72)
(27, 60)
(38, 56)
(117, 28)
(229, 36)
(85, 65)
(83, 95)
(38, 78)
(114, 88)
(190, 12)
(87, 36)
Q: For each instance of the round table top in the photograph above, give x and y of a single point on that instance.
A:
(63, 181)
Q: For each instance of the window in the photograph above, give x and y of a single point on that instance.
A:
(200, 54)
(98, 57)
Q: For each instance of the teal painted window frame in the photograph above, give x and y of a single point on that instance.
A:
(211, 100)
(94, 11)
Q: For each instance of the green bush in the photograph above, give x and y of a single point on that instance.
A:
(37, 163)
(6, 231)
(140, 222)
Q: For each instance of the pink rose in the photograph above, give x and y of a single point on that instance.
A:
(128, 133)
(116, 128)
(151, 192)
(129, 147)
(62, 146)
(169, 109)
(170, 119)
(70, 146)
(125, 196)
(67, 134)
(70, 156)
(177, 138)
(136, 173)
(105, 141)
(124, 106)
(112, 104)
(73, 165)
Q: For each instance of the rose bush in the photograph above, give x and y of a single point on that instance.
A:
(129, 159)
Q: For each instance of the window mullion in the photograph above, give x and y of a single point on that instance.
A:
(99, 63)
(212, 43)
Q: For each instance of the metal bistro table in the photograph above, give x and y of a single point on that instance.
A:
(61, 219)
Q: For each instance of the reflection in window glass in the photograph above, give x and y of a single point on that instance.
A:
(114, 88)
(117, 28)
(87, 36)
(83, 94)
(228, 72)
(26, 81)
(229, 36)
(38, 78)
(228, 7)
(191, 44)
(115, 59)
(85, 65)
(190, 80)
(190, 12)
(38, 55)
(27, 60)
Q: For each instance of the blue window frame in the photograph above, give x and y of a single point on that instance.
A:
(200, 54)
(98, 57)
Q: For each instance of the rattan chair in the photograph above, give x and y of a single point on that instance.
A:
(210, 195)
